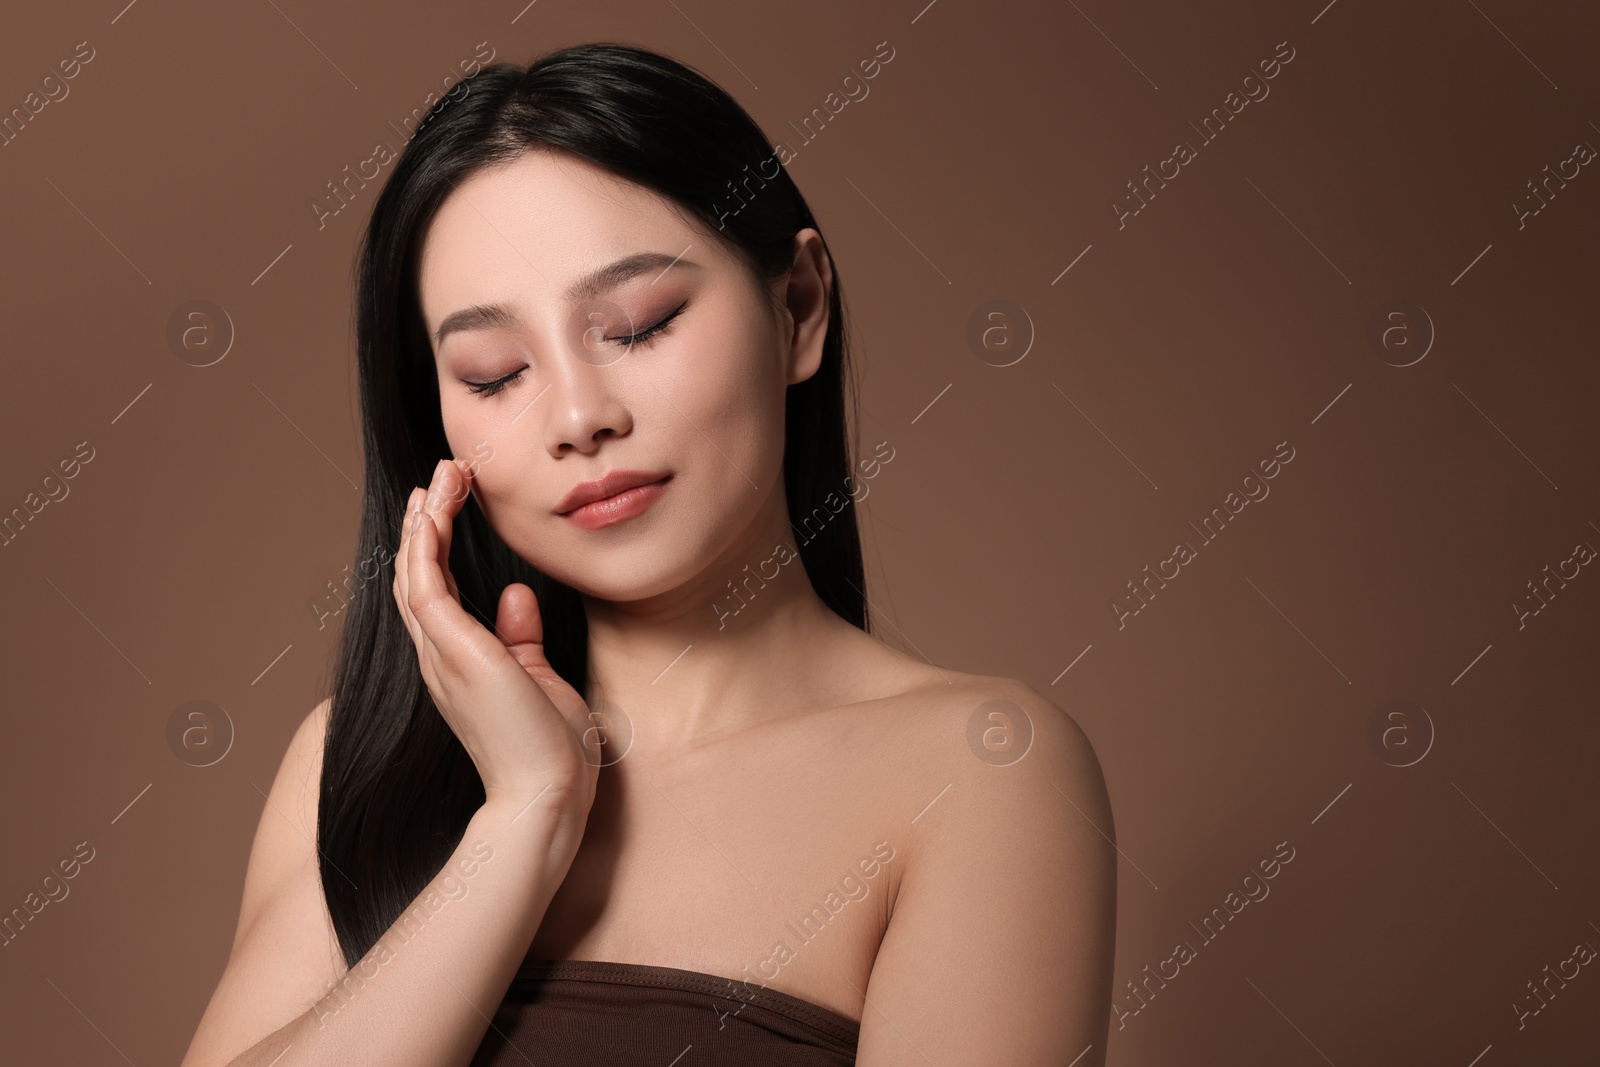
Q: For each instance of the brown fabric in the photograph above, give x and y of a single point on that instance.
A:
(581, 1013)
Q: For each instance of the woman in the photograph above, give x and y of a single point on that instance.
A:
(671, 771)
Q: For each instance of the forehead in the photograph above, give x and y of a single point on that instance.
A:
(533, 225)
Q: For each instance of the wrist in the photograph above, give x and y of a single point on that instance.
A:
(548, 831)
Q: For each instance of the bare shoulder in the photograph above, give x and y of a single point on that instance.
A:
(284, 952)
(968, 753)
(291, 808)
(1001, 940)
(973, 726)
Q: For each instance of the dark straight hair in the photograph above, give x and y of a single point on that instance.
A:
(397, 787)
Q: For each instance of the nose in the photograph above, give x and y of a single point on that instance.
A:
(584, 408)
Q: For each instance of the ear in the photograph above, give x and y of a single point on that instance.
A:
(806, 297)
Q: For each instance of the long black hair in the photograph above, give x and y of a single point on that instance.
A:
(397, 787)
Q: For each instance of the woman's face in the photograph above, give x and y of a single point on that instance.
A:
(541, 390)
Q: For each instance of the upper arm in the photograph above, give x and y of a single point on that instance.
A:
(284, 951)
(1000, 947)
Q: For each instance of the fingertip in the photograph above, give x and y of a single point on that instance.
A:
(463, 481)
(519, 614)
(511, 600)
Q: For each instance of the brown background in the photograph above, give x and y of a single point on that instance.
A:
(1223, 319)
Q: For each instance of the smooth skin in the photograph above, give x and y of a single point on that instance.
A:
(764, 751)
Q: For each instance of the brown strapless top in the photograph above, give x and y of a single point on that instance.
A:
(585, 1013)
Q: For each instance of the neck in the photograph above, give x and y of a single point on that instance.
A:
(746, 641)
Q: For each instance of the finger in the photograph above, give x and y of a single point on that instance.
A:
(402, 569)
(403, 549)
(437, 612)
(447, 492)
(521, 628)
(518, 622)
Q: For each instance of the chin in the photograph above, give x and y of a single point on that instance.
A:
(637, 572)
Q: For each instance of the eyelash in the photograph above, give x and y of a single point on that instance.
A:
(644, 337)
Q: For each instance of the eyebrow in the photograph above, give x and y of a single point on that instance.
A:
(600, 280)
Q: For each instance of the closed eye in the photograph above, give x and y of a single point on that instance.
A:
(491, 388)
(643, 337)
(649, 333)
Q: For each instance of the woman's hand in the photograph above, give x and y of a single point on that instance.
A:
(527, 730)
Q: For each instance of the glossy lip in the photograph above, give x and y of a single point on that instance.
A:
(608, 485)
(628, 504)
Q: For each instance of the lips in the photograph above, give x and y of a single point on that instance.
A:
(608, 485)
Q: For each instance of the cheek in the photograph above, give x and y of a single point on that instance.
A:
(740, 407)
(475, 443)
(474, 427)
(456, 418)
(501, 468)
